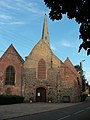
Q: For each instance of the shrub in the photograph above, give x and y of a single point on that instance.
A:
(84, 96)
(10, 99)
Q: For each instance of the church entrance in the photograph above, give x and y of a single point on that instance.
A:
(40, 94)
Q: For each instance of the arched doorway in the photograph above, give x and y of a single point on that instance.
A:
(40, 94)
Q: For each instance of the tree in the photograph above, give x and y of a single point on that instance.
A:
(77, 9)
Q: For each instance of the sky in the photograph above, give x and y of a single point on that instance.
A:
(21, 24)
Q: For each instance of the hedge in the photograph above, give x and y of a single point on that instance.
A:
(10, 99)
(84, 96)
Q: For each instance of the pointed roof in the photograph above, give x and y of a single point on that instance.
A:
(45, 33)
(69, 64)
(13, 51)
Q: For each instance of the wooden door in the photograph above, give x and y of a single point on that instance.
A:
(40, 94)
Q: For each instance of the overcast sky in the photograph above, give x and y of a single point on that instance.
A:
(21, 23)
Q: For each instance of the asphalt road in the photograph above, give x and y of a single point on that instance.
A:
(77, 112)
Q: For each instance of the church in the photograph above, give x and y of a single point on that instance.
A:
(42, 76)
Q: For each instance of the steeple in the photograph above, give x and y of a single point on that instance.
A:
(45, 33)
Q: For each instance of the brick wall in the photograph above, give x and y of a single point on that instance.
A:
(59, 80)
(10, 57)
(41, 69)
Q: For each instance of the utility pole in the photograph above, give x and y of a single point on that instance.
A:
(81, 73)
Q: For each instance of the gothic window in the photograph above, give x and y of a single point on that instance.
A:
(41, 69)
(10, 75)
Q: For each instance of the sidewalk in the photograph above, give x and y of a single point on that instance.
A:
(15, 110)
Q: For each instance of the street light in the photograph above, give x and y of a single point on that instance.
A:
(81, 64)
(81, 74)
(81, 68)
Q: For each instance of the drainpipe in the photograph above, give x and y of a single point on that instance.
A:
(21, 82)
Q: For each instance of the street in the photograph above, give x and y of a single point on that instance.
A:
(77, 112)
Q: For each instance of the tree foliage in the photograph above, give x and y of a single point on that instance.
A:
(77, 9)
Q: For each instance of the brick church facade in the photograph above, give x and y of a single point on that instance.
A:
(42, 77)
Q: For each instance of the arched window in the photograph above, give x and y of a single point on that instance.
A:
(41, 69)
(10, 75)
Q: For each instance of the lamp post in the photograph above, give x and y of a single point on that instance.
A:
(81, 74)
(81, 67)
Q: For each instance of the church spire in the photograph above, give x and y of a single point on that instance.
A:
(45, 33)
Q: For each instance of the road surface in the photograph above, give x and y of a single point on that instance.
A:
(77, 112)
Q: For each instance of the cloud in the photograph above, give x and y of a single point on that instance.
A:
(7, 5)
(66, 43)
(13, 23)
(21, 5)
(88, 76)
(53, 48)
(5, 17)
(17, 23)
(12, 11)
(9, 20)
(31, 6)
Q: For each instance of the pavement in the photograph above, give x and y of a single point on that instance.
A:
(87, 99)
(16, 110)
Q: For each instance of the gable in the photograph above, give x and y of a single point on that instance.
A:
(11, 53)
(41, 50)
(71, 67)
